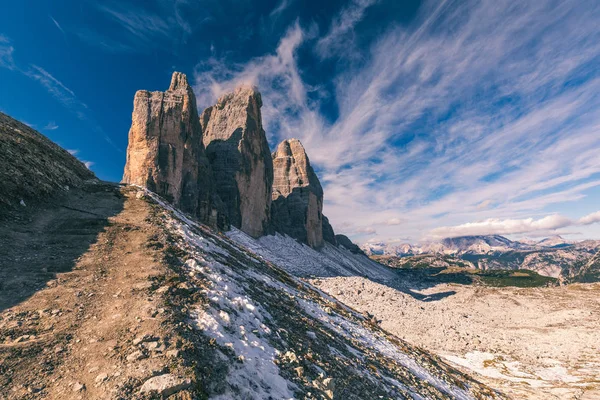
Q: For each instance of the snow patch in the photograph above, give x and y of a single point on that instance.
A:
(496, 366)
(301, 260)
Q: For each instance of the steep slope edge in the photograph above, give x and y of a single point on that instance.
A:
(32, 167)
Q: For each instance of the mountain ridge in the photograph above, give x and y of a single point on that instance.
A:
(553, 257)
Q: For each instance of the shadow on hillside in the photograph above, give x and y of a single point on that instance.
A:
(39, 242)
(412, 281)
(426, 298)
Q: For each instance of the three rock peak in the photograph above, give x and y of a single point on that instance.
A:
(218, 166)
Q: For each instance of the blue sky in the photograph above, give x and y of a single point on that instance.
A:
(424, 119)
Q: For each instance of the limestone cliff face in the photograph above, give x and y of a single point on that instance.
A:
(240, 158)
(297, 195)
(166, 154)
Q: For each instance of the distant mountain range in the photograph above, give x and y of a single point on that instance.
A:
(553, 256)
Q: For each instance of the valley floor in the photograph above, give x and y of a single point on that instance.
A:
(534, 343)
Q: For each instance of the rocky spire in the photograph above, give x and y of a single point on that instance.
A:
(166, 154)
(297, 195)
(240, 158)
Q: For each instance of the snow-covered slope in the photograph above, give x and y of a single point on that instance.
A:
(271, 335)
(301, 260)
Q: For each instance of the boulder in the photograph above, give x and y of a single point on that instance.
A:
(240, 158)
(297, 195)
(164, 385)
(166, 153)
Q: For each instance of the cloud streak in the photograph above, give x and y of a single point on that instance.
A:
(56, 89)
(143, 27)
(340, 36)
(590, 219)
(57, 24)
(493, 226)
(474, 111)
(502, 227)
(51, 126)
(6, 53)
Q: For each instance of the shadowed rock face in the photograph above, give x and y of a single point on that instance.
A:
(166, 154)
(240, 158)
(344, 241)
(297, 195)
(328, 233)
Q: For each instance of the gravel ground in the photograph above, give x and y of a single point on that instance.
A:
(535, 343)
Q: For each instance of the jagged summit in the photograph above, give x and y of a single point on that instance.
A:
(179, 81)
(242, 94)
(165, 151)
(295, 167)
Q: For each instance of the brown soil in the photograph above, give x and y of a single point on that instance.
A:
(71, 309)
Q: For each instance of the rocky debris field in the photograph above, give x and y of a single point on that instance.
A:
(535, 343)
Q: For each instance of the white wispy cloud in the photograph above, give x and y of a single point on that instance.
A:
(494, 226)
(6, 53)
(280, 8)
(476, 111)
(141, 27)
(393, 221)
(340, 35)
(68, 99)
(56, 89)
(50, 126)
(590, 218)
(138, 22)
(57, 24)
(369, 230)
(532, 227)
